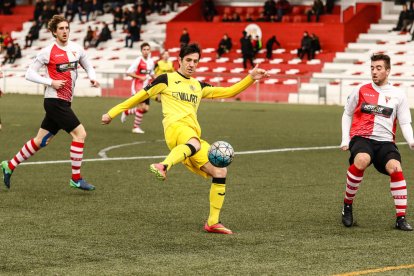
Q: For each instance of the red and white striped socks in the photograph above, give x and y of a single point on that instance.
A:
(139, 113)
(354, 178)
(399, 193)
(27, 151)
(130, 111)
(76, 155)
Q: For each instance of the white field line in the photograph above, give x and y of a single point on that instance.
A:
(163, 156)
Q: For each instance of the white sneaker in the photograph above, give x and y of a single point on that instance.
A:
(123, 117)
(137, 130)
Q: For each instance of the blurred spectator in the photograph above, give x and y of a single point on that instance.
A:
(7, 7)
(104, 35)
(315, 45)
(97, 8)
(60, 4)
(330, 4)
(118, 14)
(235, 17)
(404, 16)
(225, 18)
(247, 49)
(269, 46)
(134, 34)
(33, 34)
(126, 18)
(209, 10)
(72, 8)
(317, 9)
(269, 8)
(305, 46)
(87, 41)
(7, 39)
(17, 51)
(282, 8)
(249, 18)
(10, 54)
(224, 46)
(262, 17)
(37, 13)
(257, 44)
(139, 16)
(184, 38)
(87, 8)
(47, 14)
(1, 42)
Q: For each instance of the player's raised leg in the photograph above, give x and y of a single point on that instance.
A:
(29, 149)
(76, 156)
(176, 156)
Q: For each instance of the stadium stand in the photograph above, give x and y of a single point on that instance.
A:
(290, 77)
(351, 68)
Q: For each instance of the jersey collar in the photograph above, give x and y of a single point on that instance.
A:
(182, 75)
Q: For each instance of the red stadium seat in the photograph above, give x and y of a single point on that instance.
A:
(297, 19)
(297, 10)
(286, 19)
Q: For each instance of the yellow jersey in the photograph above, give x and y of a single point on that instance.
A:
(163, 67)
(180, 97)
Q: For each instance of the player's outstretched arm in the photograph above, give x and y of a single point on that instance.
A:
(127, 104)
(228, 92)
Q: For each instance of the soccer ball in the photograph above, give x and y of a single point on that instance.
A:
(220, 154)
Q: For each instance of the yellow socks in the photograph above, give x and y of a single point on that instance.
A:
(177, 155)
(217, 194)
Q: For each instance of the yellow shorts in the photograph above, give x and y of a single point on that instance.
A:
(178, 134)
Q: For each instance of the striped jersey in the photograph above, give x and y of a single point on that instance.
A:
(61, 64)
(375, 111)
(141, 67)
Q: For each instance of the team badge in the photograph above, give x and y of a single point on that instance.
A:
(74, 53)
(387, 99)
(192, 87)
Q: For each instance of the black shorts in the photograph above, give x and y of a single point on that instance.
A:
(380, 152)
(59, 115)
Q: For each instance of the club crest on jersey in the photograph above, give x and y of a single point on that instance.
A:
(376, 110)
(387, 99)
(74, 53)
(192, 87)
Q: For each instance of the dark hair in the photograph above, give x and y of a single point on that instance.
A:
(385, 58)
(144, 45)
(56, 20)
(189, 49)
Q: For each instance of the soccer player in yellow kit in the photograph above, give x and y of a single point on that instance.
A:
(164, 65)
(180, 97)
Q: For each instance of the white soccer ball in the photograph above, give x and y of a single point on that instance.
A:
(220, 154)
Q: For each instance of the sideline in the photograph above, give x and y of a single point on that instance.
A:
(376, 270)
(163, 156)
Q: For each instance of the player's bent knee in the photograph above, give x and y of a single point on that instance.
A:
(219, 172)
(362, 161)
(393, 166)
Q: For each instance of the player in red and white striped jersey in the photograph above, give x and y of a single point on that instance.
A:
(368, 131)
(61, 60)
(141, 71)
